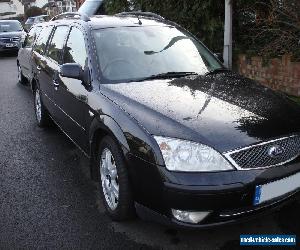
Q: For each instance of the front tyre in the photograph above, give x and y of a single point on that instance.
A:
(41, 114)
(113, 182)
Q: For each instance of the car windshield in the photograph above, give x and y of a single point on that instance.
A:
(137, 53)
(10, 26)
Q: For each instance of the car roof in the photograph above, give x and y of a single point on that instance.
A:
(106, 21)
(124, 21)
(34, 17)
(59, 22)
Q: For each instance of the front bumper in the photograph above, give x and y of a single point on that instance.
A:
(232, 199)
(215, 219)
(15, 47)
(229, 196)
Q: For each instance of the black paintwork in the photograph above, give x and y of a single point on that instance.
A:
(25, 55)
(222, 109)
(225, 111)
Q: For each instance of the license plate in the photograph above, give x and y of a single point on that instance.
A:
(9, 45)
(276, 189)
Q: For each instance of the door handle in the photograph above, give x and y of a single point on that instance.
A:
(56, 85)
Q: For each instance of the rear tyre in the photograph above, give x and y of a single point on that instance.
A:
(113, 183)
(41, 114)
(21, 77)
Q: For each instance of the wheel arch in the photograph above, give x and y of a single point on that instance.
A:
(33, 84)
(101, 127)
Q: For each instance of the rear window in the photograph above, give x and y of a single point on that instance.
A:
(41, 41)
(30, 20)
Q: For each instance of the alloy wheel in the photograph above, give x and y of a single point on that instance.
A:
(19, 74)
(38, 106)
(109, 179)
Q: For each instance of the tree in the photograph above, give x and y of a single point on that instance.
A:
(116, 6)
(33, 11)
(269, 28)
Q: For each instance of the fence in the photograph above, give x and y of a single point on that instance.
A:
(278, 73)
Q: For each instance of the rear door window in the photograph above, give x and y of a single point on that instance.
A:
(41, 41)
(55, 48)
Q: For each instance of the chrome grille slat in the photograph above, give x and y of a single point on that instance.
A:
(9, 39)
(257, 156)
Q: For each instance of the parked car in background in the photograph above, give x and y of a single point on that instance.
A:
(12, 35)
(24, 62)
(170, 133)
(34, 20)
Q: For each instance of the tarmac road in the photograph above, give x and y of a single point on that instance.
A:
(48, 201)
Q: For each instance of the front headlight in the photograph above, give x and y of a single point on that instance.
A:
(187, 156)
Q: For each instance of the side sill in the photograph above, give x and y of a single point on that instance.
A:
(86, 154)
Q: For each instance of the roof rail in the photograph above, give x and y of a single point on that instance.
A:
(70, 15)
(140, 13)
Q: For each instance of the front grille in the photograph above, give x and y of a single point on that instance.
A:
(259, 156)
(9, 39)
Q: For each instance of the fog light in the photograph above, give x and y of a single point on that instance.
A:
(188, 216)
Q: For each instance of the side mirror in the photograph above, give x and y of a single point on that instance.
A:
(220, 57)
(72, 70)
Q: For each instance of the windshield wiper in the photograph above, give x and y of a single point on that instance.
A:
(167, 75)
(215, 71)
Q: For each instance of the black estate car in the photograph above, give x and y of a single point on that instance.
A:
(12, 35)
(24, 55)
(170, 133)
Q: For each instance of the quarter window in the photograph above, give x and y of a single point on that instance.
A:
(75, 51)
(30, 38)
(55, 48)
